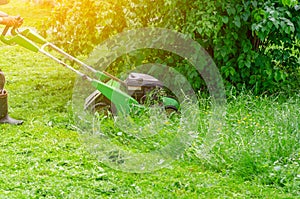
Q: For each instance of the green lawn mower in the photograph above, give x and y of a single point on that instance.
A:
(136, 92)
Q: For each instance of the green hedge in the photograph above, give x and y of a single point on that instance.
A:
(254, 43)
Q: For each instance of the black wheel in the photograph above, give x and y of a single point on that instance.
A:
(101, 108)
(171, 110)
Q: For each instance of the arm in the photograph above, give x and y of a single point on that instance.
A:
(3, 14)
(5, 19)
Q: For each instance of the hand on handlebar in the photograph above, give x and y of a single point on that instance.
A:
(15, 21)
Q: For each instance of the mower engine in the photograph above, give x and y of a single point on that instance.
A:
(140, 86)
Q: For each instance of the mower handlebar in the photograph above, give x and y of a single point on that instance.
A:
(4, 32)
(26, 38)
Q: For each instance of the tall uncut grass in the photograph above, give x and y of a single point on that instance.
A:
(260, 141)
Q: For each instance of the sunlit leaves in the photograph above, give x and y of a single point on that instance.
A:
(289, 3)
(243, 37)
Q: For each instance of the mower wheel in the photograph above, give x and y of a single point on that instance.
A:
(170, 110)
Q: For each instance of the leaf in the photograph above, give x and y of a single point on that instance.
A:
(246, 15)
(237, 21)
(246, 46)
(261, 36)
(292, 28)
(224, 52)
(200, 30)
(225, 19)
(241, 64)
(269, 25)
(288, 14)
(287, 30)
(248, 62)
(232, 71)
(254, 27)
(275, 22)
(268, 72)
(231, 11)
(277, 76)
(252, 79)
(289, 3)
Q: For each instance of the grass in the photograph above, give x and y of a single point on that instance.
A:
(257, 154)
(260, 141)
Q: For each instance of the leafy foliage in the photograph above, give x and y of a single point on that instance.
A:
(78, 26)
(254, 43)
(278, 28)
(72, 28)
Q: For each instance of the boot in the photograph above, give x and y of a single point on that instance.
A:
(4, 117)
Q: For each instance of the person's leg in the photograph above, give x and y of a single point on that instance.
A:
(4, 117)
(2, 81)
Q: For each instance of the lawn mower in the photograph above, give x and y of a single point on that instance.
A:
(136, 92)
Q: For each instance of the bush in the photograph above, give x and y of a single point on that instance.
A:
(254, 43)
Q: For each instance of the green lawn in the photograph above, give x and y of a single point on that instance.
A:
(257, 154)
